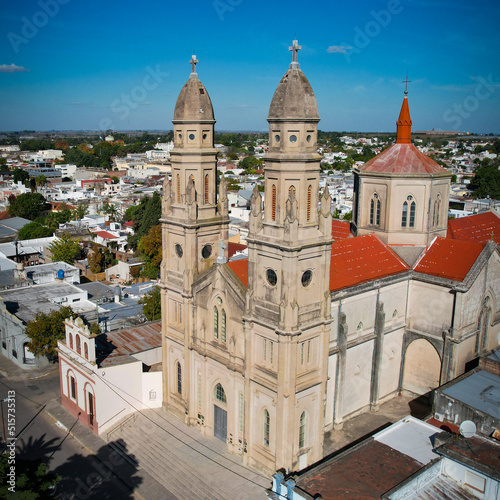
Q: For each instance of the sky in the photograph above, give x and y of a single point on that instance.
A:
(120, 65)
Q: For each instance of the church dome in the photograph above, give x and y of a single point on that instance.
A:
(193, 103)
(294, 98)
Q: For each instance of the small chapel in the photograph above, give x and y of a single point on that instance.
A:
(323, 320)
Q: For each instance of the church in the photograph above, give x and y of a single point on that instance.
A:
(323, 320)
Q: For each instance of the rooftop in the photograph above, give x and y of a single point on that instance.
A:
(478, 228)
(362, 259)
(116, 347)
(341, 229)
(449, 259)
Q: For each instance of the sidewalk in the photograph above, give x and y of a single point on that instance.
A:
(126, 469)
(11, 371)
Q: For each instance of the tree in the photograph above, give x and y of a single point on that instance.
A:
(32, 479)
(151, 304)
(150, 246)
(20, 175)
(100, 259)
(486, 182)
(45, 330)
(34, 230)
(65, 249)
(41, 180)
(27, 205)
(81, 211)
(61, 144)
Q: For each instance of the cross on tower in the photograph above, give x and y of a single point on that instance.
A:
(193, 63)
(406, 82)
(295, 48)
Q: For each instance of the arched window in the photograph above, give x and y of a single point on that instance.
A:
(179, 378)
(71, 341)
(178, 188)
(372, 210)
(291, 190)
(220, 394)
(309, 201)
(302, 430)
(216, 323)
(375, 210)
(223, 326)
(267, 427)
(434, 214)
(206, 189)
(438, 209)
(78, 344)
(413, 208)
(377, 219)
(404, 217)
(86, 350)
(273, 203)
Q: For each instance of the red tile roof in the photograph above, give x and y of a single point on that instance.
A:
(233, 248)
(478, 228)
(340, 229)
(130, 223)
(448, 258)
(4, 215)
(362, 259)
(105, 235)
(402, 159)
(240, 268)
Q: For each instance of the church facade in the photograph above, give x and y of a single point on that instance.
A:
(269, 353)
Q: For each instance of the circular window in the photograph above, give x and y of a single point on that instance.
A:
(277, 138)
(293, 138)
(309, 138)
(307, 278)
(206, 251)
(178, 250)
(191, 137)
(272, 279)
(180, 137)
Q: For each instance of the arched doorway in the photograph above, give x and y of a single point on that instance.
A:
(220, 413)
(422, 367)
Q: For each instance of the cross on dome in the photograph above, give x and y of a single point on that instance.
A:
(193, 63)
(295, 48)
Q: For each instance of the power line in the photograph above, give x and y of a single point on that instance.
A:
(183, 442)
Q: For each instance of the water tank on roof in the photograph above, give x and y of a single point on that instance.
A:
(60, 274)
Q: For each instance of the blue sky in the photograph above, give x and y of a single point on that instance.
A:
(69, 64)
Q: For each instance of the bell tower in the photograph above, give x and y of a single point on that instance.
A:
(288, 307)
(194, 222)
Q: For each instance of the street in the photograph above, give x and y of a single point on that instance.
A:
(83, 474)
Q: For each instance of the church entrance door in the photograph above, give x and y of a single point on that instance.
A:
(220, 423)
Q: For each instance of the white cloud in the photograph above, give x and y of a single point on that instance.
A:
(338, 49)
(12, 68)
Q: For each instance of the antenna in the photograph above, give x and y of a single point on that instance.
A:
(467, 429)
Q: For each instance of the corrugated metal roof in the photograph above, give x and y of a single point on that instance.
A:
(116, 347)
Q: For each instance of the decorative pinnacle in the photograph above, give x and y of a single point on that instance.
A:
(406, 82)
(295, 48)
(193, 63)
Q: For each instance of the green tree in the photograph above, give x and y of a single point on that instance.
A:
(33, 480)
(486, 182)
(144, 217)
(41, 180)
(27, 205)
(20, 175)
(65, 249)
(34, 230)
(151, 304)
(45, 330)
(81, 211)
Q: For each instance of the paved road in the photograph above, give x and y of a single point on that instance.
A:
(83, 474)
